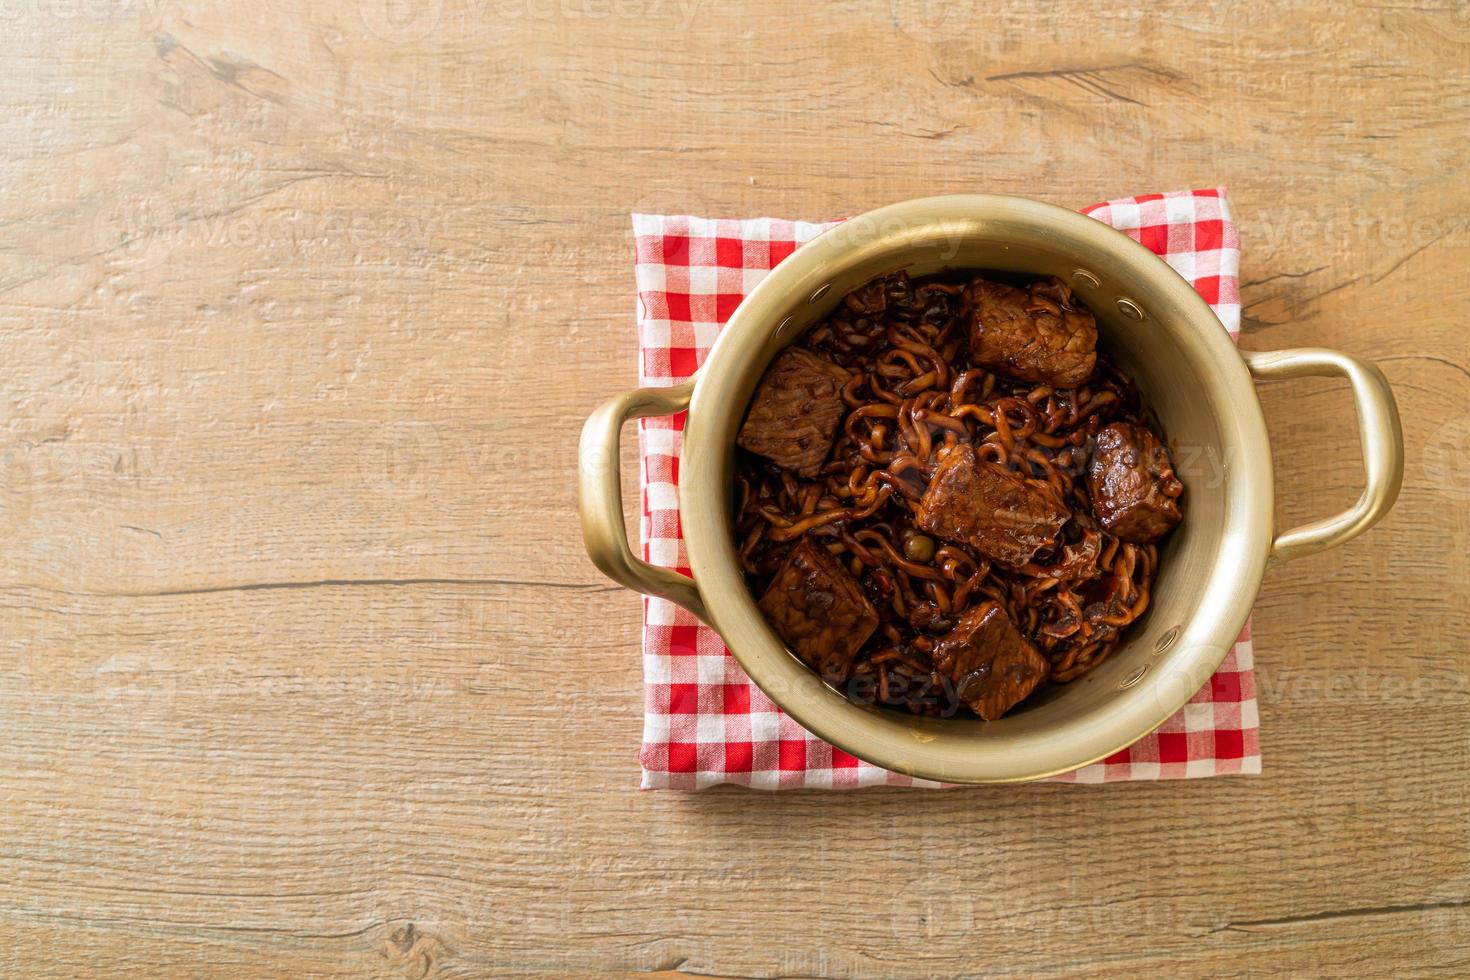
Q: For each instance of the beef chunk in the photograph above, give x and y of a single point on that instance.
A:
(1037, 334)
(819, 610)
(1135, 494)
(991, 665)
(990, 508)
(795, 412)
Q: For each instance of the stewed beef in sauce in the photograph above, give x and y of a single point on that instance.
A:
(1035, 334)
(1135, 493)
(795, 412)
(991, 508)
(990, 664)
(819, 610)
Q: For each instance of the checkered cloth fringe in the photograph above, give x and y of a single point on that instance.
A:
(705, 722)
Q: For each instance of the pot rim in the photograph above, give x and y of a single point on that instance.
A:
(916, 746)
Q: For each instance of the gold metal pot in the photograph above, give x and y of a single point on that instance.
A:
(1158, 329)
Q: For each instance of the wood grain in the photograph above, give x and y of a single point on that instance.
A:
(302, 669)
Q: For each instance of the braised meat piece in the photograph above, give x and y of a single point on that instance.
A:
(819, 610)
(990, 508)
(991, 665)
(795, 412)
(1035, 334)
(1135, 493)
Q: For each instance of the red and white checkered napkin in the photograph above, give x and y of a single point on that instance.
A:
(704, 721)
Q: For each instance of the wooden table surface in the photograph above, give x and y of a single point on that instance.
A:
(303, 670)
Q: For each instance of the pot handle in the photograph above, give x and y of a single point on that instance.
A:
(1378, 428)
(600, 495)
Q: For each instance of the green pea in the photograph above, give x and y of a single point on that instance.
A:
(919, 547)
